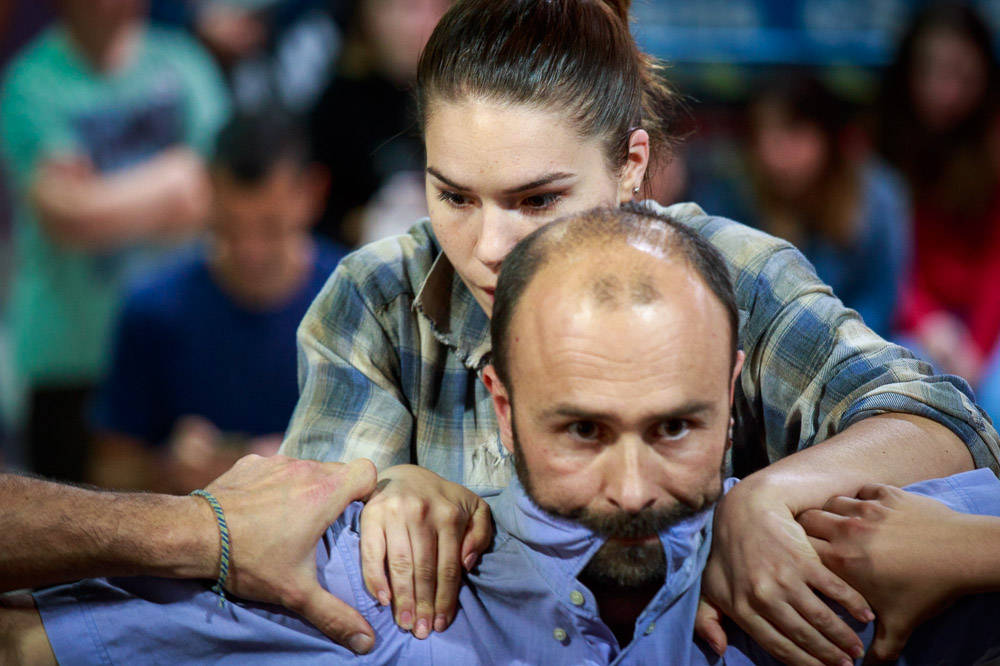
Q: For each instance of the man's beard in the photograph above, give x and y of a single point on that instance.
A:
(619, 565)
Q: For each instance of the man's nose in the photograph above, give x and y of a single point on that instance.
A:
(632, 486)
(498, 234)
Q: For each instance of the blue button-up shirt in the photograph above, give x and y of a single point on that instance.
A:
(522, 604)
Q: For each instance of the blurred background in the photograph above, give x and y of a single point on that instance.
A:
(234, 150)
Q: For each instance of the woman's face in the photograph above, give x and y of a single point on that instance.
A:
(948, 79)
(791, 155)
(495, 173)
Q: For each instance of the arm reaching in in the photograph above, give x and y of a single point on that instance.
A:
(422, 530)
(909, 555)
(763, 571)
(277, 509)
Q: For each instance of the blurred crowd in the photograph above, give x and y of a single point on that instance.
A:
(181, 177)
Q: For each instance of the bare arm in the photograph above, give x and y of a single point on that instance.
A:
(52, 533)
(167, 196)
(277, 509)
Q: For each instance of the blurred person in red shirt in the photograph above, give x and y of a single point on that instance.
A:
(938, 123)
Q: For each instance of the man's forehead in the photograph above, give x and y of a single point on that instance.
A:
(649, 319)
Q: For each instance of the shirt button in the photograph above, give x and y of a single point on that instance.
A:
(559, 634)
(576, 597)
(650, 628)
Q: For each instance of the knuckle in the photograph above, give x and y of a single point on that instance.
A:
(424, 572)
(416, 510)
(449, 514)
(450, 573)
(761, 590)
(401, 568)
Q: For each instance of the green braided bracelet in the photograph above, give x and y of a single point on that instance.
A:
(219, 586)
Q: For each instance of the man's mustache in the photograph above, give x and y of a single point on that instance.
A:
(624, 525)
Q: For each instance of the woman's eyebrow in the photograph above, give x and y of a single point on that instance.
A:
(547, 179)
(450, 183)
(544, 180)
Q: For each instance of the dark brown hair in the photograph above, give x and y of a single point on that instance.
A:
(574, 56)
(629, 223)
(955, 170)
(830, 206)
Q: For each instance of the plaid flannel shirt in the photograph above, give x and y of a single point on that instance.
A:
(392, 350)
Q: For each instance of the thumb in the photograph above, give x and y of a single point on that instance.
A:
(708, 625)
(347, 483)
(336, 619)
(478, 535)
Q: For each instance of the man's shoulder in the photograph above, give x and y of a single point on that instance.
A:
(173, 289)
(384, 270)
(36, 67)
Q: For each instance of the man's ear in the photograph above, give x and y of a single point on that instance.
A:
(501, 405)
(635, 166)
(737, 367)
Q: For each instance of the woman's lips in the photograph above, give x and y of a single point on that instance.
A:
(489, 293)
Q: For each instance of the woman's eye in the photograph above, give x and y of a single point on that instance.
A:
(538, 202)
(453, 198)
(584, 430)
(672, 429)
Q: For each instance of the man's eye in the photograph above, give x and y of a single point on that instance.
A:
(584, 430)
(453, 198)
(672, 429)
(540, 202)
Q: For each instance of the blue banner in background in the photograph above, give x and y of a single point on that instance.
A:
(764, 32)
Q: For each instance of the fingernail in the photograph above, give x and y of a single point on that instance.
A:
(440, 622)
(845, 662)
(360, 643)
(470, 561)
(869, 615)
(715, 648)
(383, 597)
(406, 620)
(858, 652)
(421, 629)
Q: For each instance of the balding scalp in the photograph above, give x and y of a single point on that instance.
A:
(617, 281)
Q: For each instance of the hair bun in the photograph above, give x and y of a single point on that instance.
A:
(620, 8)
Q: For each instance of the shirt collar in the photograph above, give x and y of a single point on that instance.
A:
(454, 315)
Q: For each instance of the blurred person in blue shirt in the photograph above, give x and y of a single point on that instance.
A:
(204, 363)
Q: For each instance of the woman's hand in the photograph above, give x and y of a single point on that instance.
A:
(423, 530)
(902, 551)
(764, 574)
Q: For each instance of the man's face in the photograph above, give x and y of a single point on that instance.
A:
(258, 228)
(621, 411)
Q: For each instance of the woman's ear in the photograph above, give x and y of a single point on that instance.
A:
(635, 165)
(501, 404)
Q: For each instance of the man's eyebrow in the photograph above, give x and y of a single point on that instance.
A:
(687, 409)
(547, 179)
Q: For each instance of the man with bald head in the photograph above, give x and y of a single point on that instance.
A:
(614, 338)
